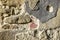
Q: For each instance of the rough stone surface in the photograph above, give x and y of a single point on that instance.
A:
(17, 24)
(42, 9)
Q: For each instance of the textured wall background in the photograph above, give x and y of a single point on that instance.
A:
(17, 24)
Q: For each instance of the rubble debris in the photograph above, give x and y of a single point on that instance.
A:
(21, 19)
(6, 26)
(32, 4)
(20, 22)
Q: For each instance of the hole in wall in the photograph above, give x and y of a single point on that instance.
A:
(49, 8)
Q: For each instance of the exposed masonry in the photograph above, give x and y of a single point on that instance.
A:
(17, 24)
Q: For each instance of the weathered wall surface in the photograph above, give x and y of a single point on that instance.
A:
(16, 23)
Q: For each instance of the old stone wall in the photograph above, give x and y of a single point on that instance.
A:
(18, 23)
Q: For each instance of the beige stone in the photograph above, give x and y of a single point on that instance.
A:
(32, 3)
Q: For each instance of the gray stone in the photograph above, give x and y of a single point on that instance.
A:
(42, 12)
